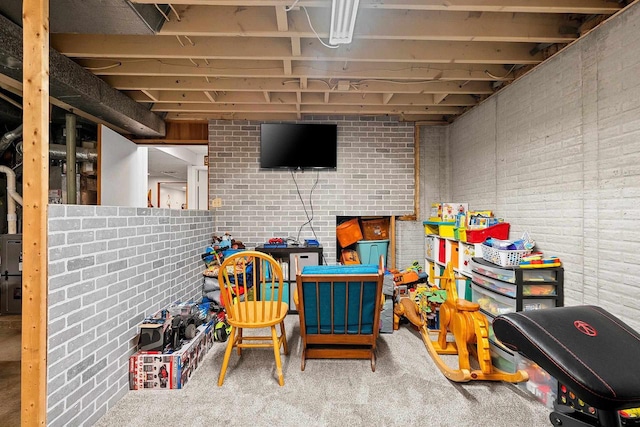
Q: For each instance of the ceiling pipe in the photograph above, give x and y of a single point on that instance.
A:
(59, 152)
(70, 121)
(12, 198)
(8, 138)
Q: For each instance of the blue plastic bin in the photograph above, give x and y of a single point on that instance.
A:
(369, 251)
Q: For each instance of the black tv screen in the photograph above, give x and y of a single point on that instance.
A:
(298, 145)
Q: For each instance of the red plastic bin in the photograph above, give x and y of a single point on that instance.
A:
(498, 231)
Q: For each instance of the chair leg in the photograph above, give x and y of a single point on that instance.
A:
(239, 348)
(283, 333)
(276, 352)
(227, 356)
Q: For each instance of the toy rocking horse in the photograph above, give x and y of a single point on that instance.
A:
(470, 330)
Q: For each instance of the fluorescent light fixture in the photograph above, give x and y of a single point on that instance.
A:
(343, 21)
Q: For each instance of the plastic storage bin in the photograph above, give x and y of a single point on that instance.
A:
(498, 231)
(369, 251)
(349, 232)
(375, 229)
(446, 229)
(504, 258)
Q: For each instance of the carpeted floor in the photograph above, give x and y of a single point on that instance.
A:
(406, 390)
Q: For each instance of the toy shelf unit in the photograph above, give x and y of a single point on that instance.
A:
(501, 290)
(441, 249)
(307, 255)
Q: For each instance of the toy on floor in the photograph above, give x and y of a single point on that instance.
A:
(408, 309)
(470, 330)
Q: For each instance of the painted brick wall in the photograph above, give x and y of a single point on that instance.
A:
(109, 267)
(375, 176)
(557, 153)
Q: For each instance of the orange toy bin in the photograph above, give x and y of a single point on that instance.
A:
(375, 229)
(349, 232)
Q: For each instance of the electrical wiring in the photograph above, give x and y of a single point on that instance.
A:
(161, 12)
(503, 77)
(309, 218)
(174, 11)
(314, 31)
(290, 8)
(106, 67)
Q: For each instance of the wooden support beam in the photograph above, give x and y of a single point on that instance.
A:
(296, 49)
(287, 67)
(392, 238)
(210, 96)
(281, 18)
(439, 97)
(35, 22)
(326, 97)
(267, 96)
(182, 132)
(303, 82)
(386, 97)
(154, 95)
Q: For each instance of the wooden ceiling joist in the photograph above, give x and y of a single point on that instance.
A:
(529, 6)
(292, 85)
(119, 46)
(309, 69)
(376, 24)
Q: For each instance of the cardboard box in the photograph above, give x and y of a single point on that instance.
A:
(155, 370)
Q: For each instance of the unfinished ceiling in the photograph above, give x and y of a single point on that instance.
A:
(421, 60)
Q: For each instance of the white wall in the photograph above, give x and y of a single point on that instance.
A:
(198, 187)
(123, 171)
(557, 153)
(176, 197)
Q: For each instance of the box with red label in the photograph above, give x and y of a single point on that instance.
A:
(155, 370)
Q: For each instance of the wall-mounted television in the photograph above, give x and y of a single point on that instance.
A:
(298, 145)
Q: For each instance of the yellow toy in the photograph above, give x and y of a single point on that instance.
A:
(470, 330)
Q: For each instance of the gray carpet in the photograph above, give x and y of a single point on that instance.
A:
(406, 390)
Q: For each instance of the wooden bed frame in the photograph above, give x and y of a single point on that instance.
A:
(327, 298)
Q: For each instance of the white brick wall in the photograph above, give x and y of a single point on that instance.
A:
(109, 267)
(375, 176)
(557, 153)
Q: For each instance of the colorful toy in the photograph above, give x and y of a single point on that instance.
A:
(407, 308)
(470, 329)
(539, 261)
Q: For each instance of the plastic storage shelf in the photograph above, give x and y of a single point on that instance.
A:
(501, 290)
(524, 289)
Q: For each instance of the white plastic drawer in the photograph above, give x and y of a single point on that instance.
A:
(502, 359)
(542, 385)
(511, 290)
(542, 275)
(508, 289)
(494, 272)
(537, 304)
(491, 302)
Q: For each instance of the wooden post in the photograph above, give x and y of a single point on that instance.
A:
(392, 236)
(35, 20)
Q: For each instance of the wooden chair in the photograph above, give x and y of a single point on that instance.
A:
(250, 285)
(339, 309)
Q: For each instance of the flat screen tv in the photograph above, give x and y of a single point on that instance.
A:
(298, 145)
